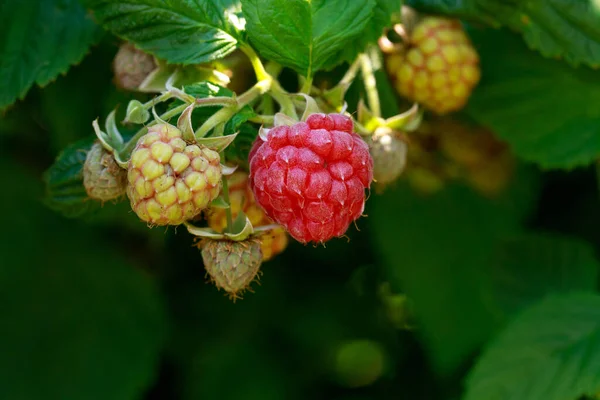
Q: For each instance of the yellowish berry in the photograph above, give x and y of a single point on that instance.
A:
(438, 57)
(164, 187)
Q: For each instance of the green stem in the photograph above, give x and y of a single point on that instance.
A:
(226, 113)
(163, 97)
(226, 198)
(370, 85)
(307, 85)
(259, 68)
(275, 89)
(351, 73)
(260, 88)
(263, 119)
(215, 101)
(282, 97)
(220, 116)
(273, 68)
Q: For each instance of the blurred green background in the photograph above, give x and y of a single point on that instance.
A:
(105, 308)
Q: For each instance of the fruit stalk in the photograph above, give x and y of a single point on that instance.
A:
(370, 84)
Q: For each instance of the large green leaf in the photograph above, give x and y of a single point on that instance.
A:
(38, 41)
(79, 321)
(545, 110)
(437, 249)
(179, 31)
(557, 28)
(526, 268)
(550, 352)
(304, 34)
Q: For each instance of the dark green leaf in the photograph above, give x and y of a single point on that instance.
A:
(179, 31)
(556, 28)
(382, 14)
(304, 35)
(79, 321)
(550, 352)
(544, 109)
(527, 268)
(456, 8)
(65, 192)
(40, 40)
(238, 151)
(436, 249)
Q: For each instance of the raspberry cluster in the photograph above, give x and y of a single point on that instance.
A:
(439, 66)
(171, 181)
(311, 177)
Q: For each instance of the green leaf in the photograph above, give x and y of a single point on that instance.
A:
(556, 28)
(454, 8)
(544, 109)
(382, 15)
(528, 267)
(436, 250)
(179, 31)
(303, 34)
(550, 352)
(238, 151)
(40, 40)
(79, 321)
(65, 192)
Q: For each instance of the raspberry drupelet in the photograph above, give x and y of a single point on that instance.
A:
(311, 177)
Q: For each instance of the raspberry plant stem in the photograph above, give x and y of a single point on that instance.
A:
(226, 198)
(219, 130)
(259, 68)
(370, 84)
(224, 114)
(275, 89)
(263, 119)
(306, 87)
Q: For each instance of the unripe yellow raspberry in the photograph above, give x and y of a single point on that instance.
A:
(274, 241)
(103, 179)
(171, 181)
(438, 67)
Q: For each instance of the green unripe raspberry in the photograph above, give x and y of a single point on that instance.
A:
(232, 265)
(359, 363)
(102, 177)
(389, 157)
(171, 181)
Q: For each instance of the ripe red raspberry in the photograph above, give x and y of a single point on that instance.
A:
(311, 177)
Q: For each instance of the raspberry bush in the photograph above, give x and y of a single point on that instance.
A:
(300, 199)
